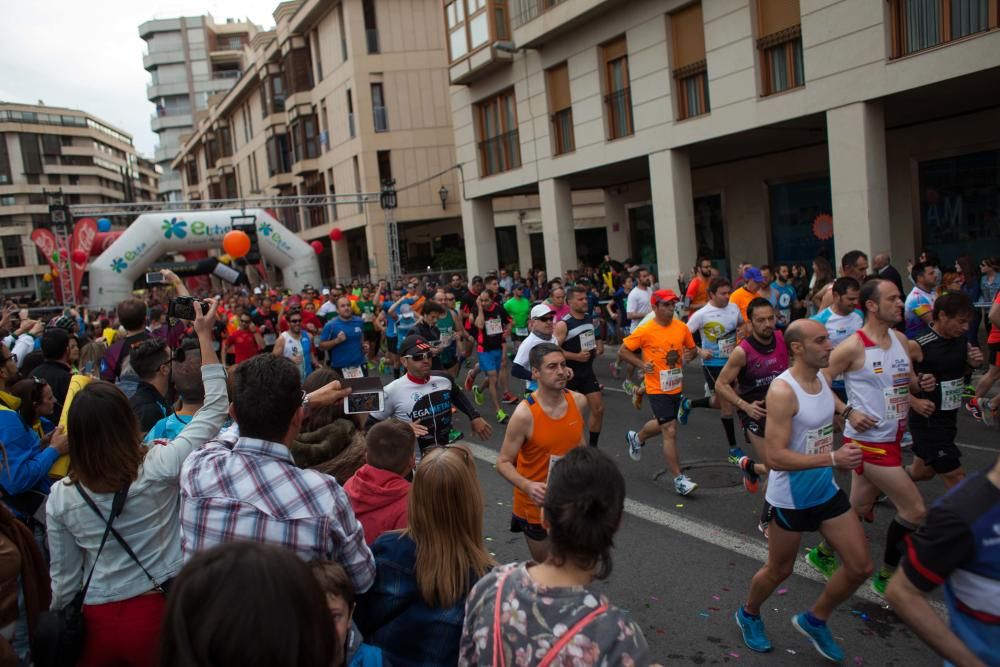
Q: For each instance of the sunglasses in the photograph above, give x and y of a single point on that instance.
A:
(295, 321)
(419, 356)
(547, 318)
(244, 321)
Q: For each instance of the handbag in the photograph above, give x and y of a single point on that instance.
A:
(60, 635)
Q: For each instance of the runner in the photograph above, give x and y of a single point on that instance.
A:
(391, 335)
(783, 295)
(698, 290)
(367, 307)
(944, 352)
(804, 494)
(492, 326)
(841, 319)
(518, 308)
(576, 335)
(920, 300)
(297, 345)
(879, 377)
(542, 324)
(748, 291)
(639, 299)
(541, 431)
(717, 322)
(980, 406)
(854, 264)
(343, 337)
(452, 331)
(665, 343)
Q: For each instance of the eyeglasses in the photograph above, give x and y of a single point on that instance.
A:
(547, 318)
(419, 356)
(245, 321)
(12, 357)
(295, 321)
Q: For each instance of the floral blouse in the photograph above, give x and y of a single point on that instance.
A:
(533, 618)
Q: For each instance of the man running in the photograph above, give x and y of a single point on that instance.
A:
(542, 324)
(576, 335)
(743, 295)
(343, 337)
(804, 494)
(879, 377)
(638, 301)
(297, 345)
(698, 290)
(854, 264)
(920, 300)
(518, 308)
(541, 431)
(783, 295)
(492, 326)
(841, 319)
(944, 352)
(665, 342)
(717, 322)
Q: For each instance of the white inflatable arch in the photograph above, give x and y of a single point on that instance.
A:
(151, 235)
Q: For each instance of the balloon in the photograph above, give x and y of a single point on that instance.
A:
(79, 256)
(336, 234)
(104, 225)
(47, 277)
(55, 273)
(236, 243)
(317, 246)
(225, 259)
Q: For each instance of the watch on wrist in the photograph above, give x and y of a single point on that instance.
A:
(305, 402)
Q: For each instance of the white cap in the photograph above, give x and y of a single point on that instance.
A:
(256, 290)
(326, 291)
(540, 310)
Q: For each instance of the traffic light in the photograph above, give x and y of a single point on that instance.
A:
(248, 225)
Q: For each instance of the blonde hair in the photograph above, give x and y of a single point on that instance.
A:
(92, 352)
(445, 520)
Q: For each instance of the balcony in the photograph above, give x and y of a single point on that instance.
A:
(154, 58)
(159, 122)
(479, 63)
(156, 90)
(536, 22)
(230, 74)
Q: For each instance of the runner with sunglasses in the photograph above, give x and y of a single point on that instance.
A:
(243, 343)
(297, 345)
(541, 323)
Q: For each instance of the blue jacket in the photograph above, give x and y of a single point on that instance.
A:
(28, 462)
(393, 616)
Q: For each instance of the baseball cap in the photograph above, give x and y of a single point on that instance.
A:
(413, 345)
(663, 295)
(257, 291)
(540, 310)
(326, 291)
(754, 274)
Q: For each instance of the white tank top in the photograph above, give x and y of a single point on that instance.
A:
(812, 433)
(880, 388)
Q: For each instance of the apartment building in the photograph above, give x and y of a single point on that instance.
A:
(759, 130)
(338, 98)
(189, 59)
(44, 149)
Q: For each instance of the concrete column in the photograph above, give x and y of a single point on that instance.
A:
(556, 199)
(378, 245)
(673, 214)
(858, 178)
(341, 259)
(616, 220)
(523, 248)
(479, 235)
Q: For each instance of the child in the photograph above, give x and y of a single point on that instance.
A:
(378, 490)
(340, 599)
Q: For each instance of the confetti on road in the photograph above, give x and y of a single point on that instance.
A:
(680, 505)
(713, 609)
(733, 654)
(782, 591)
(858, 660)
(489, 539)
(654, 598)
(704, 613)
(788, 650)
(716, 597)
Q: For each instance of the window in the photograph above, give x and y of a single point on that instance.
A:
(350, 114)
(192, 173)
(560, 109)
(5, 175)
(13, 252)
(332, 186)
(342, 31)
(357, 181)
(298, 72)
(31, 158)
(226, 140)
(500, 144)
(317, 56)
(279, 159)
(921, 24)
(371, 25)
(780, 43)
(690, 68)
(458, 40)
(254, 178)
(468, 23)
(378, 108)
(384, 166)
(306, 138)
(8, 200)
(617, 99)
(794, 208)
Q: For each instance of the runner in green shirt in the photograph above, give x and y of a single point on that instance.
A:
(518, 308)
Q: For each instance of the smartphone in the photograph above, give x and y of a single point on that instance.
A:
(182, 308)
(154, 278)
(366, 395)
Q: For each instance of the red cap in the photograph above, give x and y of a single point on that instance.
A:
(663, 295)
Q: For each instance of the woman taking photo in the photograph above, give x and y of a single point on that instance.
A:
(583, 508)
(415, 609)
(125, 602)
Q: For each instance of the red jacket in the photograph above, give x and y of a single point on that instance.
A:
(379, 500)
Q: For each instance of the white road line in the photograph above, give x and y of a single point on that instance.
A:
(991, 450)
(707, 532)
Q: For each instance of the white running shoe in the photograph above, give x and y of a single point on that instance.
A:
(683, 485)
(634, 446)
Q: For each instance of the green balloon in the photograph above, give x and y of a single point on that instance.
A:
(55, 257)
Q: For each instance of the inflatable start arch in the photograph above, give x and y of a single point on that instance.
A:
(151, 235)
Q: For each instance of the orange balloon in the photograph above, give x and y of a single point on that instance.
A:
(236, 243)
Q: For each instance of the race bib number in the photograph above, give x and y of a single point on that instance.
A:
(446, 339)
(553, 460)
(367, 317)
(951, 394)
(897, 403)
(671, 379)
(521, 332)
(727, 345)
(494, 327)
(587, 341)
(819, 440)
(352, 372)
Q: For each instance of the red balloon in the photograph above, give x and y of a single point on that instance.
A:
(78, 256)
(236, 243)
(317, 246)
(336, 234)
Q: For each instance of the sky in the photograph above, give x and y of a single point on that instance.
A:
(88, 55)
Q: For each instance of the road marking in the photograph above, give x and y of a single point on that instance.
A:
(991, 450)
(709, 533)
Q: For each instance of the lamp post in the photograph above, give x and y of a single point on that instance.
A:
(443, 194)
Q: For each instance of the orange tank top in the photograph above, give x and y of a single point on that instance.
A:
(550, 440)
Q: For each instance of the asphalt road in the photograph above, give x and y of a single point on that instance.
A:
(683, 565)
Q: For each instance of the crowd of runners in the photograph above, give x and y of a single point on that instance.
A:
(298, 456)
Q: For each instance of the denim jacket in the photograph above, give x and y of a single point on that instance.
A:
(150, 522)
(393, 616)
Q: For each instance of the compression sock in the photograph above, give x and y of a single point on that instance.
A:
(824, 548)
(594, 435)
(898, 529)
(704, 402)
(730, 428)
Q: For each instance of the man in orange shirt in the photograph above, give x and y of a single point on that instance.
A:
(665, 343)
(697, 289)
(752, 281)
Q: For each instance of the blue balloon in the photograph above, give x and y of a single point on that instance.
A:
(104, 225)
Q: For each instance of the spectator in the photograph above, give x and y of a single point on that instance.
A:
(150, 360)
(884, 269)
(252, 605)
(583, 509)
(379, 489)
(247, 486)
(185, 370)
(336, 585)
(37, 406)
(24, 587)
(132, 315)
(822, 277)
(113, 471)
(415, 609)
(57, 347)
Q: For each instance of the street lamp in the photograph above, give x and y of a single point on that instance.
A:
(443, 194)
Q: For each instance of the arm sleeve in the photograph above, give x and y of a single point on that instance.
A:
(520, 372)
(694, 322)
(27, 463)
(460, 400)
(692, 290)
(66, 567)
(938, 548)
(633, 341)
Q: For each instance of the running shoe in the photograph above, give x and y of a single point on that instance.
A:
(615, 370)
(477, 394)
(684, 411)
(510, 399)
(684, 486)
(820, 637)
(628, 387)
(753, 632)
(825, 565)
(637, 399)
(907, 441)
(969, 391)
(735, 454)
(502, 417)
(470, 381)
(973, 409)
(762, 527)
(879, 582)
(454, 436)
(634, 446)
(751, 480)
(988, 412)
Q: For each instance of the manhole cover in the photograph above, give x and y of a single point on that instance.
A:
(708, 474)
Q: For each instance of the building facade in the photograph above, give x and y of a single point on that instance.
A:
(45, 149)
(769, 131)
(189, 59)
(338, 98)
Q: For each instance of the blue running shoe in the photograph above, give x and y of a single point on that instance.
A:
(735, 454)
(684, 411)
(820, 637)
(753, 632)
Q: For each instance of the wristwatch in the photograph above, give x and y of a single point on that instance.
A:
(305, 403)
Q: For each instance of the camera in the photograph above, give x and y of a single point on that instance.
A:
(154, 278)
(182, 308)
(366, 395)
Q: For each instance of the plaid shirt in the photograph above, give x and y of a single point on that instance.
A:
(251, 490)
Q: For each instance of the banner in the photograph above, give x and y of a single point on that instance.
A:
(84, 234)
(57, 256)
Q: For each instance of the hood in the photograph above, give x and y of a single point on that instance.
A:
(373, 488)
